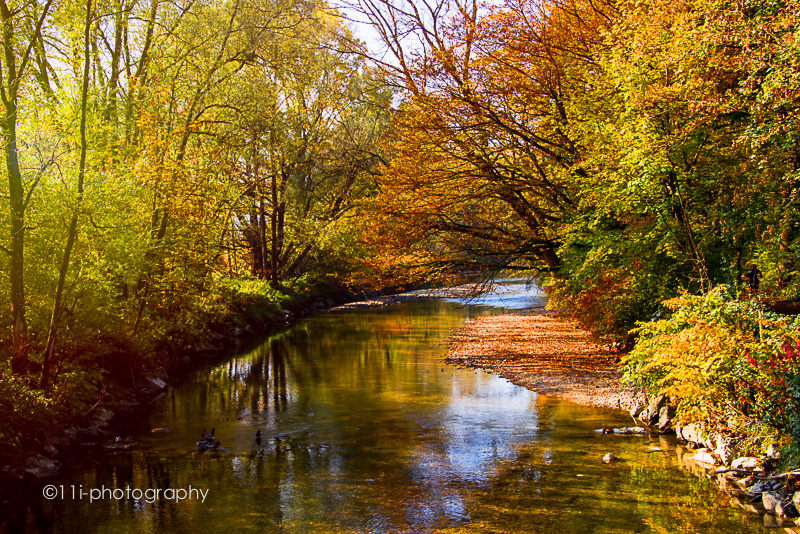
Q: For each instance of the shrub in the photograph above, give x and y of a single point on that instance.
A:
(610, 302)
(28, 415)
(726, 364)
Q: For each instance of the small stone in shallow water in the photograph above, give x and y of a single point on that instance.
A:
(161, 430)
(630, 430)
(625, 430)
(608, 458)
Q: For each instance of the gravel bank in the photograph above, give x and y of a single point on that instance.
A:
(538, 350)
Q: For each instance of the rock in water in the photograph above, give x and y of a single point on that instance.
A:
(608, 458)
(665, 416)
(629, 430)
(41, 467)
(771, 501)
(704, 457)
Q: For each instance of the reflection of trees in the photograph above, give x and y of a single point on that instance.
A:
(381, 449)
(279, 395)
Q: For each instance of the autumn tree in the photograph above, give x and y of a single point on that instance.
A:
(485, 169)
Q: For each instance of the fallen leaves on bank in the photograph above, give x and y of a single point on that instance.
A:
(537, 349)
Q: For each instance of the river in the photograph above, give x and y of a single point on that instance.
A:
(364, 429)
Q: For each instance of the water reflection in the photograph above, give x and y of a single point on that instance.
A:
(365, 430)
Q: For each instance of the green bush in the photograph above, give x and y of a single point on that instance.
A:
(28, 416)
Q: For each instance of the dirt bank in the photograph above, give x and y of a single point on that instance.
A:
(537, 349)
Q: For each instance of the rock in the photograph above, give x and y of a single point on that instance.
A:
(665, 416)
(771, 500)
(608, 458)
(656, 402)
(161, 373)
(51, 451)
(772, 451)
(161, 430)
(636, 407)
(12, 471)
(704, 457)
(723, 448)
(770, 521)
(745, 462)
(763, 486)
(41, 467)
(157, 382)
(626, 430)
(690, 433)
(786, 510)
(102, 417)
(752, 508)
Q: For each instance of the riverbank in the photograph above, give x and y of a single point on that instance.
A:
(123, 390)
(536, 349)
(128, 380)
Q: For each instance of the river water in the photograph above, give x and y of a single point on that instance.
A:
(364, 429)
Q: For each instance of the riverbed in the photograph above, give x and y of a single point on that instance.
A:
(365, 429)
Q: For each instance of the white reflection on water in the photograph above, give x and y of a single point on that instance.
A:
(486, 420)
(510, 295)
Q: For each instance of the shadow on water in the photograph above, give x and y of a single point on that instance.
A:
(365, 430)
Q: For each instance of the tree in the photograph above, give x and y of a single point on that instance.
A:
(72, 234)
(299, 144)
(486, 114)
(19, 46)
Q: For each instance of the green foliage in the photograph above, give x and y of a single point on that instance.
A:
(726, 363)
(30, 416)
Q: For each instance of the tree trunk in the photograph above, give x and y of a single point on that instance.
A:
(274, 257)
(262, 237)
(9, 85)
(72, 236)
(19, 360)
